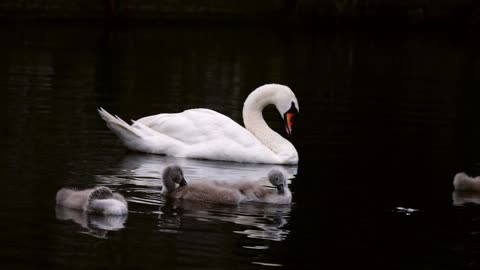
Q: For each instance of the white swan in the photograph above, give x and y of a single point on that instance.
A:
(176, 186)
(206, 134)
(99, 200)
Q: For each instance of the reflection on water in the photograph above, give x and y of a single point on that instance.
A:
(400, 104)
(140, 176)
(145, 170)
(404, 210)
(461, 198)
(263, 221)
(97, 225)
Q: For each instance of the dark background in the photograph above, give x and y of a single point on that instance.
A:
(286, 12)
(388, 102)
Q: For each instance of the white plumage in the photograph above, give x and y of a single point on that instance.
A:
(206, 134)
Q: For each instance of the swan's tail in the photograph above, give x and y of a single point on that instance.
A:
(139, 137)
(124, 131)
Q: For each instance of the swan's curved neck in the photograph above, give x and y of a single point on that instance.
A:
(254, 122)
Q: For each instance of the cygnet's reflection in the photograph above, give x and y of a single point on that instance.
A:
(146, 170)
(265, 221)
(141, 175)
(97, 225)
(461, 197)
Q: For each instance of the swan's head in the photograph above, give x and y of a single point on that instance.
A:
(173, 175)
(287, 104)
(280, 96)
(277, 178)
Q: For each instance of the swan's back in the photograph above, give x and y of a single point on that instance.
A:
(206, 192)
(198, 126)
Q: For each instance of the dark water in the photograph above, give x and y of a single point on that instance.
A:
(387, 119)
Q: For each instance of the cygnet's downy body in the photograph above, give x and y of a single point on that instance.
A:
(225, 193)
(464, 182)
(99, 200)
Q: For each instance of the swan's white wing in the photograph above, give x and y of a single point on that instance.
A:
(196, 133)
(199, 126)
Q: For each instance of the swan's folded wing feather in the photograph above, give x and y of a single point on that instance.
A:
(200, 126)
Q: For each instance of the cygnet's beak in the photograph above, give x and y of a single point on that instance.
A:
(183, 182)
(280, 188)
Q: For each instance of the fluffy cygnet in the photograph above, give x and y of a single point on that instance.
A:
(100, 200)
(462, 181)
(226, 193)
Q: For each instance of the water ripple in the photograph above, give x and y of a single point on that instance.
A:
(138, 176)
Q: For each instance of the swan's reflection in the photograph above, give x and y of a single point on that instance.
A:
(146, 170)
(265, 221)
(460, 197)
(97, 225)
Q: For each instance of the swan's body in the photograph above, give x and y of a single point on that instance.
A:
(464, 182)
(100, 200)
(206, 134)
(223, 192)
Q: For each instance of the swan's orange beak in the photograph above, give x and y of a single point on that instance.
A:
(289, 122)
(289, 116)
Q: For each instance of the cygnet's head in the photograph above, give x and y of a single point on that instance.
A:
(102, 200)
(173, 175)
(100, 193)
(277, 178)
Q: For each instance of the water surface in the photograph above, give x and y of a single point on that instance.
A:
(386, 121)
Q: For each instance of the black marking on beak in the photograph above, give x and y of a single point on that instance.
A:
(183, 182)
(289, 117)
(280, 188)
